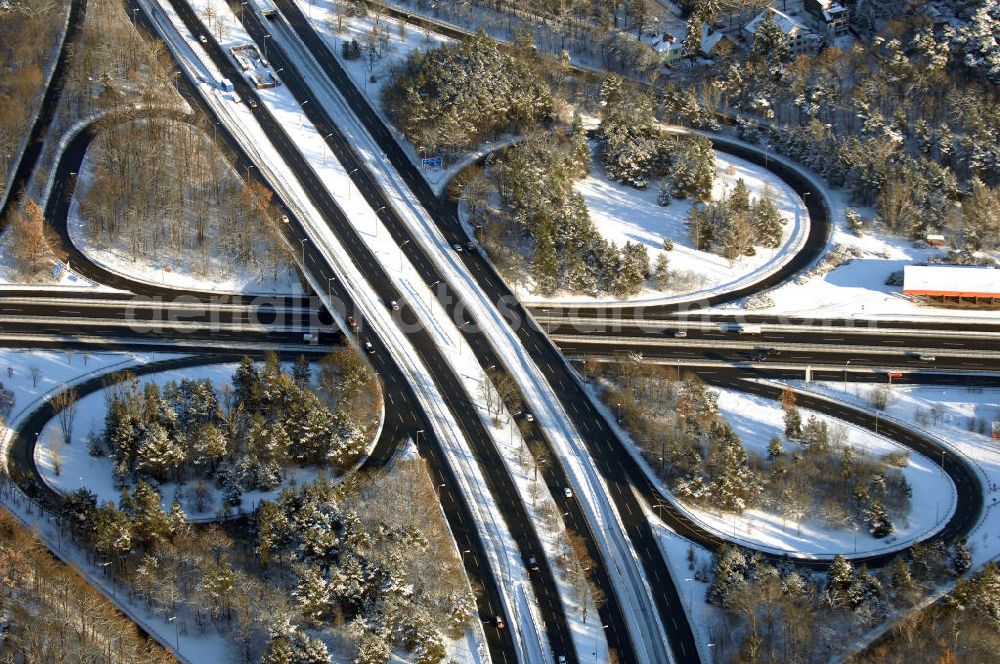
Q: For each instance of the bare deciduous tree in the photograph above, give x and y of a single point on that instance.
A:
(65, 406)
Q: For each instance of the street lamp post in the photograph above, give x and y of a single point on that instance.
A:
(303, 241)
(349, 183)
(324, 145)
(401, 245)
(431, 293)
(177, 636)
(846, 364)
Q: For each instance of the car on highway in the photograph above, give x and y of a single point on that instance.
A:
(472, 247)
(457, 247)
(308, 336)
(394, 305)
(369, 348)
(532, 564)
(252, 103)
(568, 492)
(352, 322)
(680, 334)
(203, 39)
(499, 623)
(927, 357)
(528, 417)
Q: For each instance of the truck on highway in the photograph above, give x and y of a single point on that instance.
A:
(740, 328)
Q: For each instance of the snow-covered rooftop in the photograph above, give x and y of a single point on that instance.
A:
(951, 280)
(709, 38)
(786, 23)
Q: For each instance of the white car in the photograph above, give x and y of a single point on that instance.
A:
(680, 334)
(457, 247)
(568, 492)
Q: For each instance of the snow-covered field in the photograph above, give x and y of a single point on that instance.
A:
(946, 413)
(625, 214)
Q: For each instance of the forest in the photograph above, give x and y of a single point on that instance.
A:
(29, 34)
(52, 614)
(240, 437)
(456, 95)
(162, 192)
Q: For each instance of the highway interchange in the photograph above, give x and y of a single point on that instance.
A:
(153, 317)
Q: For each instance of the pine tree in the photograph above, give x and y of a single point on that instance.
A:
(900, 575)
(635, 268)
(150, 523)
(737, 485)
(663, 198)
(248, 386)
(815, 431)
(158, 455)
(301, 371)
(661, 272)
(877, 519)
(730, 570)
(769, 41)
(767, 223)
(793, 424)
(217, 587)
(208, 447)
(774, 448)
(739, 200)
(372, 649)
(314, 595)
(545, 262)
(692, 38)
(963, 557)
(839, 578)
(579, 150)
(611, 91)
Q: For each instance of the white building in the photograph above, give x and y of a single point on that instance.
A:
(800, 38)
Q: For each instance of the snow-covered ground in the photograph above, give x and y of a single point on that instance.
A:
(55, 369)
(947, 414)
(756, 420)
(625, 214)
(79, 469)
(857, 289)
(177, 271)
